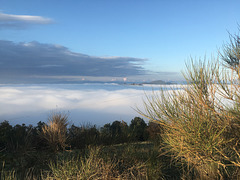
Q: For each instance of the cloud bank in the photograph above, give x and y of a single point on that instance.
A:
(96, 104)
(23, 61)
(9, 21)
(30, 104)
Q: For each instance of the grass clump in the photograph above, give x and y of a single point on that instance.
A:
(55, 132)
(7, 175)
(92, 166)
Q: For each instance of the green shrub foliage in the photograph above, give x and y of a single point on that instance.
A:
(201, 120)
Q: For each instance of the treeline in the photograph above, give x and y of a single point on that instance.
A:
(24, 138)
(28, 151)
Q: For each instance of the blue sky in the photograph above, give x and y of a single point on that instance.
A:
(144, 36)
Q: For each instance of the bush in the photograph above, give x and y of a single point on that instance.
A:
(201, 121)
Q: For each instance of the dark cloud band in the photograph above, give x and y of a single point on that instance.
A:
(36, 59)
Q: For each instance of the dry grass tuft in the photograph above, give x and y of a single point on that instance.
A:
(55, 132)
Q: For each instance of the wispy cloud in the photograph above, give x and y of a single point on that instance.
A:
(21, 21)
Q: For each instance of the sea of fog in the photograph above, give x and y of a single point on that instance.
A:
(94, 103)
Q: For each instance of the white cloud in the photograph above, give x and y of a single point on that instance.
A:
(21, 21)
(89, 105)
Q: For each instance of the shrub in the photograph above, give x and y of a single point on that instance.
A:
(201, 121)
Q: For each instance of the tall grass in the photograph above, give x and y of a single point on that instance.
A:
(55, 132)
(92, 166)
(7, 175)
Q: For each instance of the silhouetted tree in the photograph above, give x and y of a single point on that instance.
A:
(154, 131)
(81, 137)
(117, 132)
(5, 134)
(138, 129)
(105, 134)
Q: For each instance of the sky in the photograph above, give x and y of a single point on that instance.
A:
(109, 40)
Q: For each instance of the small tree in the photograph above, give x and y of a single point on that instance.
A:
(5, 134)
(81, 137)
(105, 134)
(138, 129)
(155, 132)
(119, 132)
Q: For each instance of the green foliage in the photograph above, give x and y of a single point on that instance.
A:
(92, 166)
(115, 133)
(201, 121)
(155, 132)
(27, 152)
(231, 52)
(193, 120)
(106, 136)
(5, 134)
(81, 137)
(138, 129)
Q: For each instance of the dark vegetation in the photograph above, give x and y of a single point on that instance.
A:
(125, 151)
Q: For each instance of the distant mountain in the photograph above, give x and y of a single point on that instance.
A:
(159, 82)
